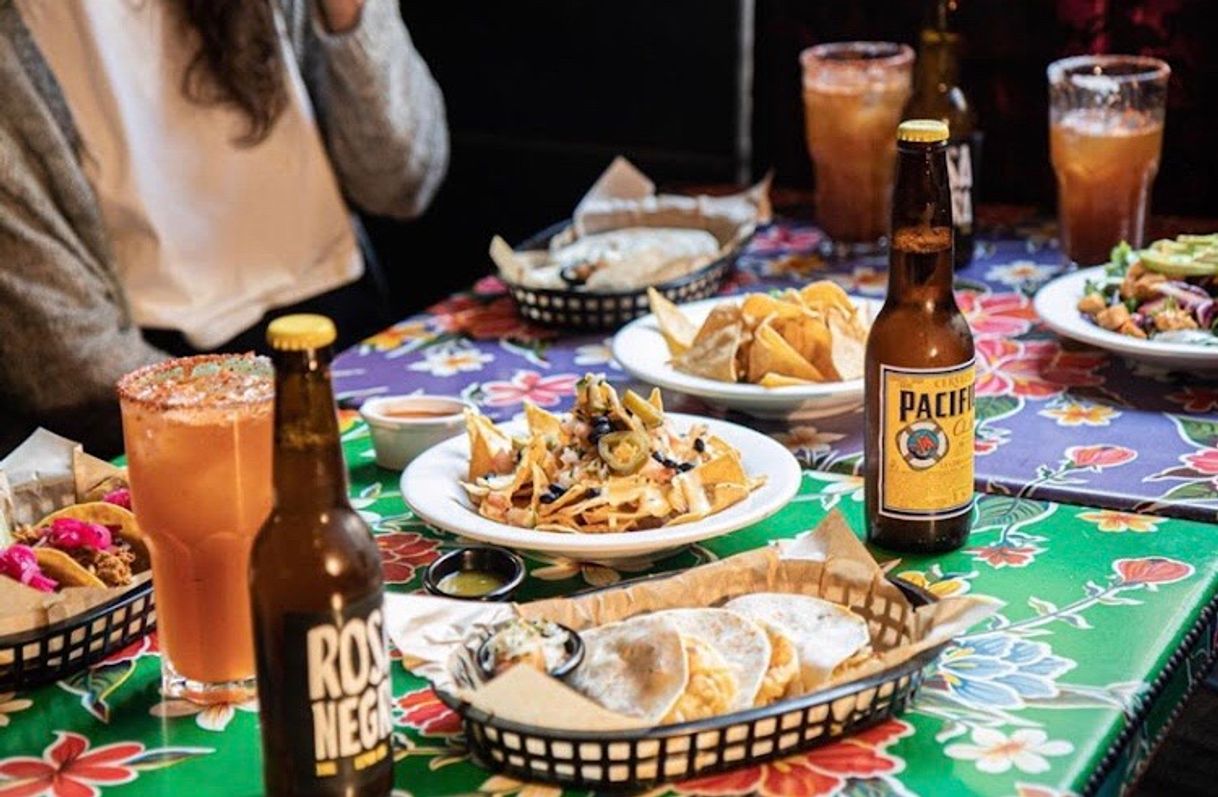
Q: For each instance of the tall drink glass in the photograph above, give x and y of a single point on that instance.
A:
(198, 437)
(1105, 134)
(854, 94)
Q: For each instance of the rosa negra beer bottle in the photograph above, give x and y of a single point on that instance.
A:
(316, 590)
(918, 455)
(937, 95)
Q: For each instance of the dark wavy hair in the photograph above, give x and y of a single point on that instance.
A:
(239, 62)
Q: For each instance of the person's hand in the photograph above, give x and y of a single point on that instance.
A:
(340, 15)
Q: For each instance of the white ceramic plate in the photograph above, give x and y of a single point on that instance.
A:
(1057, 305)
(640, 349)
(430, 486)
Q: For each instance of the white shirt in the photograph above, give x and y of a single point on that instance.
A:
(207, 235)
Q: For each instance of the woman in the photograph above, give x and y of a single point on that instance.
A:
(171, 170)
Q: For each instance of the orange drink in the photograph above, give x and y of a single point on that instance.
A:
(854, 94)
(198, 438)
(1105, 135)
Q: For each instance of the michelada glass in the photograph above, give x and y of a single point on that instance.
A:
(198, 436)
(1105, 135)
(854, 95)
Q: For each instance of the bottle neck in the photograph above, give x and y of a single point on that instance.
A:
(920, 265)
(308, 460)
(938, 69)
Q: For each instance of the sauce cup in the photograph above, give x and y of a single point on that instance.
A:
(499, 562)
(405, 426)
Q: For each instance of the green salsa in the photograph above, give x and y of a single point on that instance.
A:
(469, 583)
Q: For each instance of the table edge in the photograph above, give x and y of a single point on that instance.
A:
(1112, 755)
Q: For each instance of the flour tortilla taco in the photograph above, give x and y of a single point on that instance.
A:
(637, 667)
(741, 643)
(825, 635)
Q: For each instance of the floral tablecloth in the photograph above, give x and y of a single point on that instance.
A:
(1055, 421)
(1065, 691)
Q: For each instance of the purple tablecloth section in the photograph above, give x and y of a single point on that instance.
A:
(1055, 421)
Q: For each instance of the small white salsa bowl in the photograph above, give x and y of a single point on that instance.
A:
(405, 426)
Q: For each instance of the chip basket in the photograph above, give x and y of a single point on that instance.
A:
(581, 310)
(42, 655)
(642, 759)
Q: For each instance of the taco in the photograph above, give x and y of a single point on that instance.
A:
(741, 643)
(95, 544)
(826, 636)
(637, 667)
(712, 687)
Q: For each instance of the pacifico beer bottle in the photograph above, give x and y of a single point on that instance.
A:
(918, 456)
(937, 95)
(316, 589)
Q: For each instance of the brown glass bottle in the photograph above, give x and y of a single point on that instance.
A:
(937, 95)
(919, 377)
(316, 589)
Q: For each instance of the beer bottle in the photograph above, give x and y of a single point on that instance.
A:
(937, 95)
(918, 451)
(316, 590)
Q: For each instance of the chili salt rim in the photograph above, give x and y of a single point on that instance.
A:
(871, 53)
(132, 385)
(1144, 68)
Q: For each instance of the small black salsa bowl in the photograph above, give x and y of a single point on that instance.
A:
(485, 558)
(574, 648)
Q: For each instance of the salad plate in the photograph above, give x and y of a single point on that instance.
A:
(1057, 305)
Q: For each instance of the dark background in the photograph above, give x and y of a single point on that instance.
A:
(542, 94)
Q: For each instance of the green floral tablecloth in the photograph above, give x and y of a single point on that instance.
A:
(1107, 625)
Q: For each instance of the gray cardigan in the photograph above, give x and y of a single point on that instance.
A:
(66, 332)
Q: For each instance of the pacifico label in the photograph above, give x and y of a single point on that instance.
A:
(926, 432)
(340, 686)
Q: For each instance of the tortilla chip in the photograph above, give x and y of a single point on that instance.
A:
(759, 306)
(724, 315)
(848, 350)
(542, 423)
(713, 356)
(488, 446)
(771, 379)
(771, 353)
(723, 468)
(678, 331)
(826, 293)
(810, 336)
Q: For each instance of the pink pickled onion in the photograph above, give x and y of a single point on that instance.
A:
(66, 532)
(120, 497)
(18, 562)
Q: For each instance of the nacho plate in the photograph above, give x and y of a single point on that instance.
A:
(431, 486)
(641, 350)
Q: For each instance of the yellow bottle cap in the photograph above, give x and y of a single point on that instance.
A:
(300, 331)
(925, 131)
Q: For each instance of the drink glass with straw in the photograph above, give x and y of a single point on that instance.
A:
(197, 432)
(1106, 117)
(854, 95)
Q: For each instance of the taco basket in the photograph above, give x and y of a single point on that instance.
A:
(624, 198)
(908, 629)
(640, 759)
(46, 637)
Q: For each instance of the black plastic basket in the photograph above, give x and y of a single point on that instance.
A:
(642, 759)
(37, 657)
(583, 310)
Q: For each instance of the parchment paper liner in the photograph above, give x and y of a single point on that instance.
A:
(45, 473)
(437, 635)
